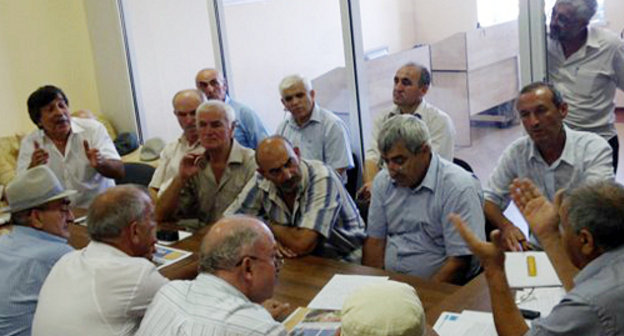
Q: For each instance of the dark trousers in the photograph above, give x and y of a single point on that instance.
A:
(615, 146)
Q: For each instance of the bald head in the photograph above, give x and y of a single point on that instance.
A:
(229, 239)
(211, 83)
(185, 104)
(279, 163)
(188, 96)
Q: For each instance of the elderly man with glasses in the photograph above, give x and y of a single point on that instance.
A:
(40, 215)
(239, 264)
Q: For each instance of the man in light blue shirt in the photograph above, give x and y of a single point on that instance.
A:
(408, 229)
(40, 216)
(318, 133)
(249, 128)
(552, 155)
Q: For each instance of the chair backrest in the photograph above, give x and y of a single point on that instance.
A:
(137, 173)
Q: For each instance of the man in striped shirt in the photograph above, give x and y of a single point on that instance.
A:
(303, 202)
(239, 264)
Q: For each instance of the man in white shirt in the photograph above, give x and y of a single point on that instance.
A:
(587, 65)
(552, 155)
(79, 151)
(239, 264)
(105, 288)
(185, 104)
(411, 84)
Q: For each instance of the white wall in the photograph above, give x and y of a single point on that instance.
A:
(436, 20)
(615, 22)
(43, 42)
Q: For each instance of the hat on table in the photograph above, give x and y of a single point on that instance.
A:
(387, 308)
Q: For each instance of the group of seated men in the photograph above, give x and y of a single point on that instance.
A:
(283, 196)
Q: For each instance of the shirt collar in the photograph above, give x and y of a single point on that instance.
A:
(98, 248)
(236, 153)
(211, 281)
(595, 266)
(21, 230)
(593, 38)
(567, 155)
(418, 112)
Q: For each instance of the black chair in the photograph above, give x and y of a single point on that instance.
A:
(463, 164)
(353, 175)
(137, 173)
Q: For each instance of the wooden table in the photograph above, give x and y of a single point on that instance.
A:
(300, 279)
(473, 296)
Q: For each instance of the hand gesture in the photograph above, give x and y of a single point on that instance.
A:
(490, 254)
(285, 252)
(191, 164)
(277, 309)
(39, 156)
(364, 194)
(514, 240)
(93, 155)
(542, 216)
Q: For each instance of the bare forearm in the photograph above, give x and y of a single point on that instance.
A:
(507, 317)
(301, 241)
(370, 170)
(453, 270)
(495, 216)
(566, 271)
(167, 203)
(373, 253)
(111, 168)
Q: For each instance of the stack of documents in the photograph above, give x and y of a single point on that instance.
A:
(335, 292)
(468, 323)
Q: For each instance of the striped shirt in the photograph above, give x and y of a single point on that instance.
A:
(323, 205)
(207, 305)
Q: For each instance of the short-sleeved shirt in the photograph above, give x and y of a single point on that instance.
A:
(206, 306)
(323, 205)
(96, 291)
(594, 306)
(588, 79)
(324, 138)
(249, 128)
(585, 157)
(414, 221)
(72, 168)
(205, 199)
(440, 125)
(169, 163)
(26, 257)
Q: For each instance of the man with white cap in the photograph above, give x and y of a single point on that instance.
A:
(40, 215)
(387, 308)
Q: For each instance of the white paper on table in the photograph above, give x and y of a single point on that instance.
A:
(334, 293)
(517, 271)
(181, 234)
(447, 324)
(468, 323)
(541, 299)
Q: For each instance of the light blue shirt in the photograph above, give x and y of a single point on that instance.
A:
(585, 157)
(595, 306)
(26, 257)
(249, 128)
(324, 138)
(414, 222)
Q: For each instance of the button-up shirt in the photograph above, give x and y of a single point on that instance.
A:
(324, 138)
(205, 199)
(594, 306)
(26, 257)
(322, 205)
(97, 291)
(72, 168)
(440, 125)
(585, 157)
(206, 306)
(249, 128)
(169, 163)
(414, 221)
(588, 79)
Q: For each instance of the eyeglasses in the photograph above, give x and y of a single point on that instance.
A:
(278, 260)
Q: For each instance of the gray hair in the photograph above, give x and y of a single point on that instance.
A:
(292, 80)
(599, 207)
(557, 98)
(228, 110)
(115, 209)
(425, 75)
(584, 9)
(227, 252)
(405, 127)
